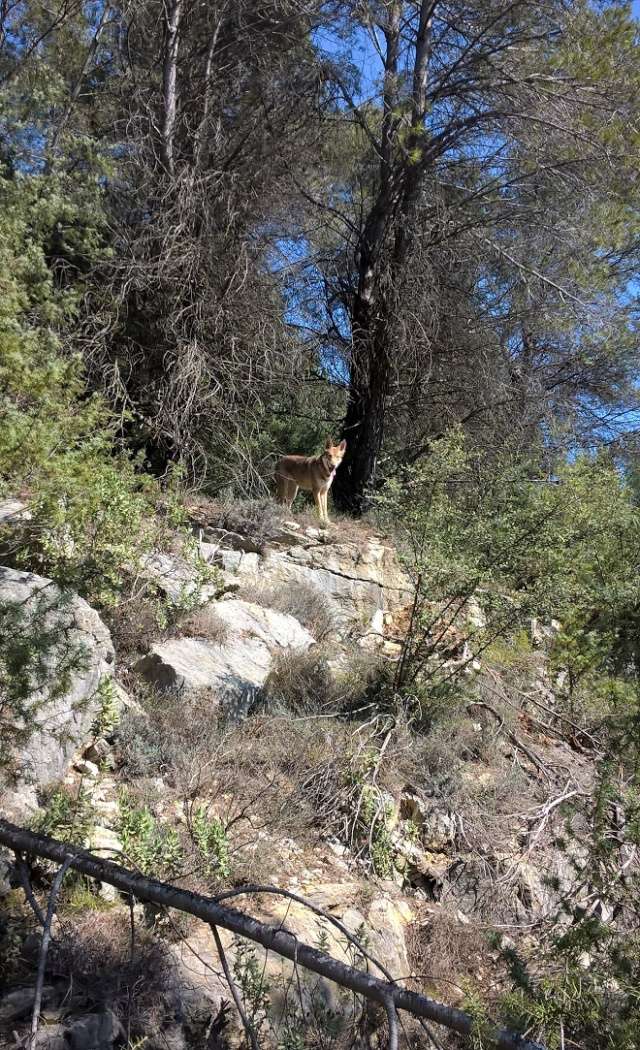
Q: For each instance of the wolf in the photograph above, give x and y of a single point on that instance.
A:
(311, 473)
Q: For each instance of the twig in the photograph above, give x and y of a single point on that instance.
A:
(233, 988)
(44, 948)
(25, 881)
(392, 1021)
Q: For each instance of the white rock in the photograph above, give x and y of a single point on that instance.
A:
(60, 722)
(86, 768)
(235, 671)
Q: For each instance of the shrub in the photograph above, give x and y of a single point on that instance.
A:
(94, 952)
(177, 738)
(107, 718)
(210, 839)
(91, 505)
(66, 816)
(305, 682)
(299, 599)
(300, 682)
(147, 843)
(522, 545)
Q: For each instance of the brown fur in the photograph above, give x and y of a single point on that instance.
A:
(311, 473)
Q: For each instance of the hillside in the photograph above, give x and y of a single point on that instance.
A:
(319, 524)
(252, 735)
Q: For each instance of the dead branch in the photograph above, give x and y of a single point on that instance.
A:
(237, 998)
(67, 862)
(25, 882)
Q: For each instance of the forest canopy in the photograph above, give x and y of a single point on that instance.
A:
(244, 226)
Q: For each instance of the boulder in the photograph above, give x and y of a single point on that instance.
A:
(19, 1002)
(235, 671)
(65, 651)
(97, 1031)
(177, 578)
(360, 579)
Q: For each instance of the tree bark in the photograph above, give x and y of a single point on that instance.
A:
(169, 84)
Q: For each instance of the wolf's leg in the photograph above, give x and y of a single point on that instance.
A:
(317, 499)
(292, 492)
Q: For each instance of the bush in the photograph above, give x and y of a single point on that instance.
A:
(91, 506)
(520, 545)
(147, 843)
(94, 952)
(305, 682)
(177, 738)
(299, 599)
(66, 816)
(300, 682)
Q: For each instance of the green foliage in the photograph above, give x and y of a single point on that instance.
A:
(91, 507)
(210, 838)
(253, 985)
(589, 996)
(66, 817)
(107, 717)
(147, 843)
(519, 545)
(371, 812)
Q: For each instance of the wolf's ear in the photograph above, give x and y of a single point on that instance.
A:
(343, 445)
(329, 442)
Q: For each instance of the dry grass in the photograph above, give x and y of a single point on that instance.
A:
(177, 738)
(303, 601)
(94, 954)
(203, 623)
(448, 956)
(300, 682)
(134, 625)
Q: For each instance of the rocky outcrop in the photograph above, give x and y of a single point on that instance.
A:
(234, 671)
(55, 649)
(361, 578)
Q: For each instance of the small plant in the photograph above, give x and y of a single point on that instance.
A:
(153, 847)
(254, 987)
(107, 717)
(210, 838)
(474, 1005)
(375, 814)
(66, 817)
(372, 813)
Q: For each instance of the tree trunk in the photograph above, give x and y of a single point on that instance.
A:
(363, 426)
(274, 938)
(169, 84)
